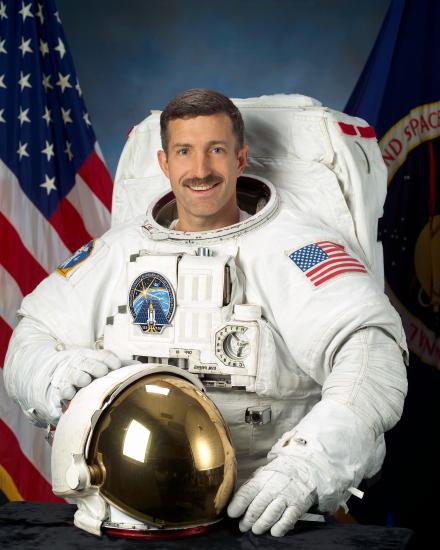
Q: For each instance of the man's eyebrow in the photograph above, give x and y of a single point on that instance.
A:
(217, 142)
(210, 144)
(177, 145)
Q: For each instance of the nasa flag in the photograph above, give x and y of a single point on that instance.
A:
(398, 92)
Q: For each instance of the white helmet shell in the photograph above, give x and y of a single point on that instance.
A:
(144, 449)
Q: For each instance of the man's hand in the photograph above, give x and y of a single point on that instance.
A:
(275, 497)
(78, 368)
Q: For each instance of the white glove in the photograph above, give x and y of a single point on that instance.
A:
(275, 497)
(77, 368)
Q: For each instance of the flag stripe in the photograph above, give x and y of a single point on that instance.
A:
(31, 439)
(96, 176)
(331, 262)
(36, 233)
(339, 272)
(29, 482)
(95, 215)
(70, 226)
(99, 153)
(17, 259)
(330, 243)
(332, 250)
(334, 268)
(22, 445)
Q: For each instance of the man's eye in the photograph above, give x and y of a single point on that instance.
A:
(217, 150)
(182, 152)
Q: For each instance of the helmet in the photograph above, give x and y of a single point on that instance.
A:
(144, 451)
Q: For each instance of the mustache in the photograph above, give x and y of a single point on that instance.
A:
(210, 179)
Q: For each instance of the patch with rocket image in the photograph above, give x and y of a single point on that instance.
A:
(66, 267)
(152, 302)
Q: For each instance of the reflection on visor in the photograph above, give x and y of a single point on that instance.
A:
(136, 441)
(151, 388)
(164, 453)
(203, 455)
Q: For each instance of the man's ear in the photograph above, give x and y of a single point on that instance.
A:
(163, 162)
(242, 159)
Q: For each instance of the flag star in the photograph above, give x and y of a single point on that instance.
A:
(57, 16)
(3, 11)
(25, 10)
(22, 150)
(2, 46)
(49, 184)
(68, 150)
(86, 119)
(39, 13)
(60, 48)
(44, 48)
(66, 115)
(24, 81)
(47, 115)
(23, 116)
(78, 89)
(63, 82)
(1, 115)
(2, 83)
(24, 46)
(48, 150)
(46, 82)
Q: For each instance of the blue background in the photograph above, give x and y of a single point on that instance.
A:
(135, 55)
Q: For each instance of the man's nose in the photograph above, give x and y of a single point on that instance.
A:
(202, 165)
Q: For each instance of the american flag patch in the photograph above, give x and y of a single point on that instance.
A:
(324, 260)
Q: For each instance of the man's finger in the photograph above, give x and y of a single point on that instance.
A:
(67, 393)
(80, 379)
(287, 521)
(95, 368)
(244, 496)
(271, 515)
(110, 359)
(257, 507)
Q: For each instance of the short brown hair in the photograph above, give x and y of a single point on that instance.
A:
(201, 102)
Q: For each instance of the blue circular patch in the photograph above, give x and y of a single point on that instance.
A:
(152, 302)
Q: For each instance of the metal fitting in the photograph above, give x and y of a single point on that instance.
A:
(258, 416)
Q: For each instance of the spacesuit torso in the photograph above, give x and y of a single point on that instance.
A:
(237, 307)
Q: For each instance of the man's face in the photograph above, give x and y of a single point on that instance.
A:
(203, 164)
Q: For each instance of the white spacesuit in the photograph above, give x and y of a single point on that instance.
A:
(282, 316)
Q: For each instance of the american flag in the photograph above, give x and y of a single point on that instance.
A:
(325, 260)
(55, 196)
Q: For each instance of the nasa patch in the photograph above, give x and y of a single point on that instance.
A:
(73, 261)
(152, 302)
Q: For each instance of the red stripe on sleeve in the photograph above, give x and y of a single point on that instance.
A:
(348, 129)
(17, 259)
(366, 131)
(70, 226)
(28, 480)
(95, 174)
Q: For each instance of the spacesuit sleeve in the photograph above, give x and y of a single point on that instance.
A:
(346, 335)
(62, 313)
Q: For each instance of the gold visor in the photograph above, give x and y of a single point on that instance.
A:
(161, 452)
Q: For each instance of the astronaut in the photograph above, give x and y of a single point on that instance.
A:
(278, 311)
